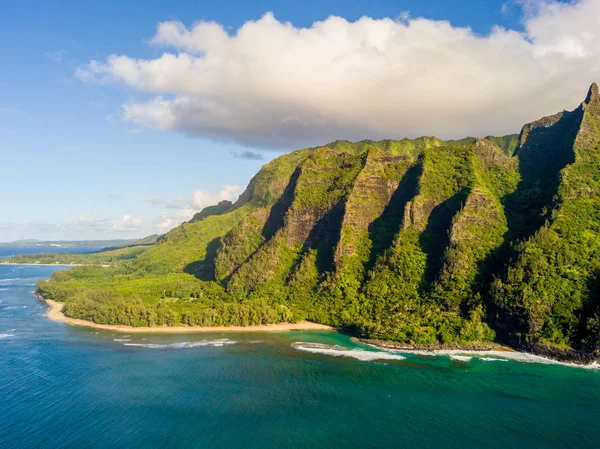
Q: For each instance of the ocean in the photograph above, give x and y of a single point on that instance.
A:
(6, 251)
(69, 387)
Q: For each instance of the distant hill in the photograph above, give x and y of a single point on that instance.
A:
(417, 241)
(68, 243)
(107, 255)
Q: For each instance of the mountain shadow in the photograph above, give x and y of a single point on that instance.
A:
(277, 214)
(205, 269)
(545, 148)
(436, 237)
(383, 229)
(324, 236)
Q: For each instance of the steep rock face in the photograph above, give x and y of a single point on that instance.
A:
(588, 134)
(268, 184)
(548, 294)
(312, 212)
(240, 243)
(325, 180)
(446, 173)
(450, 228)
(370, 195)
(477, 230)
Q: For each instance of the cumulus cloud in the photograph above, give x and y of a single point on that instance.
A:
(165, 223)
(185, 208)
(270, 84)
(128, 223)
(202, 198)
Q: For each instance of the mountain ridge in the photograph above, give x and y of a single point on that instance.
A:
(416, 241)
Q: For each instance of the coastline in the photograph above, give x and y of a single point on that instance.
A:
(55, 314)
(436, 349)
(539, 354)
(486, 349)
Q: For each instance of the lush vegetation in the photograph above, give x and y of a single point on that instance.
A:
(418, 241)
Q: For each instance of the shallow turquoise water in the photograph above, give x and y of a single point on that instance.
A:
(66, 387)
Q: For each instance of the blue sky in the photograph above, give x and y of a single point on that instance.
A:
(77, 163)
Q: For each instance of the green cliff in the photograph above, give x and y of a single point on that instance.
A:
(417, 241)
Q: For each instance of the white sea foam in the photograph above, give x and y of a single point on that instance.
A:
(515, 356)
(121, 339)
(460, 358)
(6, 335)
(339, 351)
(185, 344)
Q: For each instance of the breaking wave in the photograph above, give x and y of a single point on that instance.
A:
(184, 344)
(339, 351)
(460, 358)
(6, 335)
(495, 356)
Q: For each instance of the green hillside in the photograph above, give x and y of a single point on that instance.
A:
(417, 241)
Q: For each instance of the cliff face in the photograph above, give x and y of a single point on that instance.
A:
(419, 241)
(548, 294)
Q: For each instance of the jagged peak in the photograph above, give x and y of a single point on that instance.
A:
(593, 94)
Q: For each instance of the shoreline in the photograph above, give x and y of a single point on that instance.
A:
(439, 348)
(536, 355)
(55, 314)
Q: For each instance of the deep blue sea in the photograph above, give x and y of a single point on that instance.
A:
(69, 387)
(8, 251)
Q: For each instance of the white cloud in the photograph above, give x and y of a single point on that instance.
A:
(164, 223)
(85, 227)
(128, 223)
(89, 226)
(202, 198)
(271, 84)
(185, 208)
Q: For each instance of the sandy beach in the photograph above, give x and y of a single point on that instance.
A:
(55, 314)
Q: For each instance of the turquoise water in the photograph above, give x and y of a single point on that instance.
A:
(66, 387)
